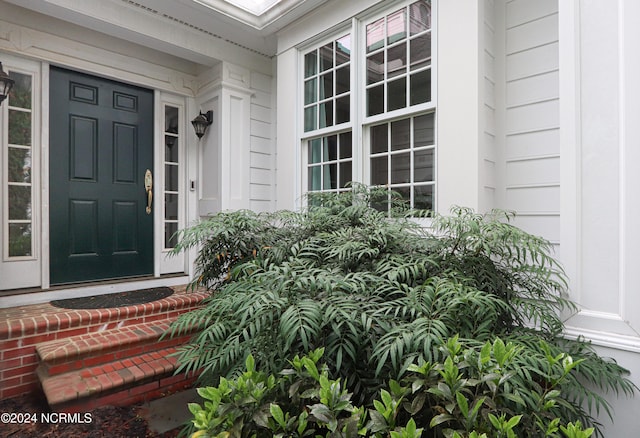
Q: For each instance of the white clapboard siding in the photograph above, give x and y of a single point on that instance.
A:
(540, 224)
(521, 12)
(531, 119)
(537, 143)
(262, 190)
(532, 89)
(542, 59)
(488, 143)
(533, 116)
(538, 199)
(531, 172)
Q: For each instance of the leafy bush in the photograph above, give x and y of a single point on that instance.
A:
(304, 401)
(381, 293)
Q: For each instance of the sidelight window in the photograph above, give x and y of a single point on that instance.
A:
(18, 199)
(171, 174)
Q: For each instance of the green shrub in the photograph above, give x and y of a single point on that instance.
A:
(380, 292)
(466, 396)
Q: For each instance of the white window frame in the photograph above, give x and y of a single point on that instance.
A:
(22, 271)
(170, 263)
(308, 136)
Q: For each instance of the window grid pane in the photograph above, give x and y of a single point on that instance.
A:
(172, 176)
(402, 158)
(330, 163)
(397, 47)
(19, 202)
(327, 85)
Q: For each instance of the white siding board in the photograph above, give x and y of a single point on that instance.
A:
(260, 81)
(545, 142)
(261, 145)
(522, 11)
(533, 172)
(533, 89)
(546, 226)
(489, 196)
(260, 206)
(534, 199)
(262, 98)
(260, 192)
(489, 93)
(260, 129)
(489, 66)
(489, 17)
(489, 169)
(489, 114)
(531, 62)
(260, 176)
(533, 117)
(260, 113)
(489, 38)
(533, 34)
(260, 161)
(490, 150)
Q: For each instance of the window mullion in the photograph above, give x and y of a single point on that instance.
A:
(358, 87)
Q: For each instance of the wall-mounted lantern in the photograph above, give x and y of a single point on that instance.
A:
(202, 122)
(6, 84)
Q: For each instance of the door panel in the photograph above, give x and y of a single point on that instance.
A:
(101, 139)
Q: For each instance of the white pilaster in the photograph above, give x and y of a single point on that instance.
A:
(458, 106)
(224, 168)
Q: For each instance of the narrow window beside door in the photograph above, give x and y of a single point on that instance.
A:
(18, 204)
(172, 173)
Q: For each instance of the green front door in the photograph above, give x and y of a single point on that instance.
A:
(101, 145)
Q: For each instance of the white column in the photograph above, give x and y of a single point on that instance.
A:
(224, 167)
(287, 146)
(458, 109)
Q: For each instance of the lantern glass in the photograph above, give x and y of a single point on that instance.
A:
(202, 122)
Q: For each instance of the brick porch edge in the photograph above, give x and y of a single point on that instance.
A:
(21, 328)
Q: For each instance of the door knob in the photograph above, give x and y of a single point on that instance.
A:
(148, 186)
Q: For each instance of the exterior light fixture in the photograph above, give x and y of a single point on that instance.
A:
(202, 122)
(6, 84)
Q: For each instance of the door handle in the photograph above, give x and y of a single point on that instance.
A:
(148, 186)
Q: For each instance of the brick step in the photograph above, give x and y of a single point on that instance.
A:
(119, 382)
(34, 346)
(43, 322)
(96, 348)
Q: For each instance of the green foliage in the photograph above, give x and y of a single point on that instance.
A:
(477, 388)
(304, 401)
(380, 292)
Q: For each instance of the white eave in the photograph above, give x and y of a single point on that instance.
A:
(266, 16)
(251, 24)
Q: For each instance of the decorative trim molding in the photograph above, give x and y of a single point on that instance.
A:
(605, 339)
(80, 56)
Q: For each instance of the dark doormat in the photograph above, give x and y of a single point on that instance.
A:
(120, 299)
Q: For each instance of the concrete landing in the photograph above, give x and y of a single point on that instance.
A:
(167, 413)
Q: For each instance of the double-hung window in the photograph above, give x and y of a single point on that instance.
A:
(327, 115)
(368, 110)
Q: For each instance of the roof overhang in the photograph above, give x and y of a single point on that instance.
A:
(251, 24)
